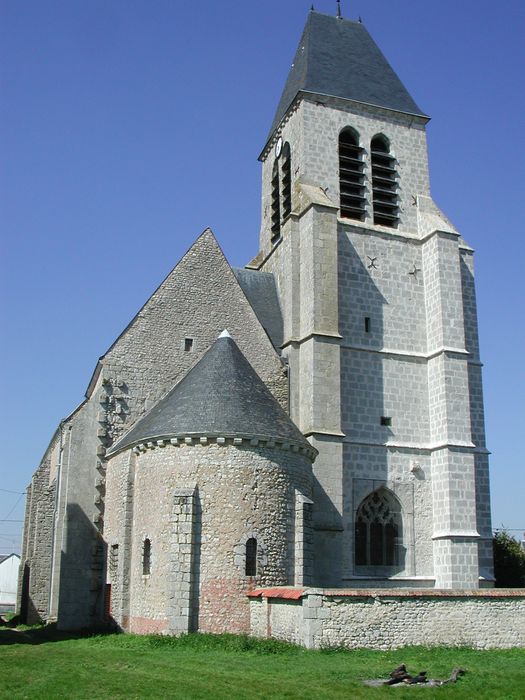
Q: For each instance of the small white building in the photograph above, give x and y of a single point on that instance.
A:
(9, 567)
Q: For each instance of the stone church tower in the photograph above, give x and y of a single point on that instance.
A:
(380, 334)
(334, 437)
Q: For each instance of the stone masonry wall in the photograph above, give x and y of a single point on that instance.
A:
(239, 492)
(35, 563)
(197, 300)
(388, 619)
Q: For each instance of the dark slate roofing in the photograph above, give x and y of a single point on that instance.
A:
(338, 57)
(261, 292)
(221, 395)
(4, 557)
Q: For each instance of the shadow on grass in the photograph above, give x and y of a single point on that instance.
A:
(43, 634)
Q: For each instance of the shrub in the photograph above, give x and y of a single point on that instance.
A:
(509, 561)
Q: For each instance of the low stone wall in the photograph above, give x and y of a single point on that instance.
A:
(387, 619)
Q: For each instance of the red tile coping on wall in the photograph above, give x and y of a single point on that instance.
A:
(297, 593)
(289, 593)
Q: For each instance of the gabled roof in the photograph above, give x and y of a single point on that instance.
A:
(5, 557)
(220, 396)
(338, 57)
(261, 291)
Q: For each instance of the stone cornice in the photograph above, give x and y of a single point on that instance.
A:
(423, 447)
(260, 441)
(414, 354)
(454, 534)
(309, 336)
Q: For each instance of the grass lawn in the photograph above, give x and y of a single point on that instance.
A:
(40, 665)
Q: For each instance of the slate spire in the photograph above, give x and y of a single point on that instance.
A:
(339, 58)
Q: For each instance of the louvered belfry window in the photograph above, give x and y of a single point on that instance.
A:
(351, 176)
(287, 180)
(384, 183)
(276, 204)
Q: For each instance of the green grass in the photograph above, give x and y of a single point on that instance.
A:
(41, 664)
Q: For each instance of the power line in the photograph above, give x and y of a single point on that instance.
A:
(12, 509)
(17, 493)
(5, 520)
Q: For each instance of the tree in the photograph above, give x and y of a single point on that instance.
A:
(509, 561)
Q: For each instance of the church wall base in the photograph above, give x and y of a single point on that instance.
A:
(388, 619)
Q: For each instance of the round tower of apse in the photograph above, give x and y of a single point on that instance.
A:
(207, 497)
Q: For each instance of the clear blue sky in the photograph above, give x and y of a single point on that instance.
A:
(128, 126)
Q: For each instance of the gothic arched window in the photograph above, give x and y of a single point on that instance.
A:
(351, 176)
(276, 205)
(378, 530)
(146, 558)
(286, 170)
(251, 557)
(384, 183)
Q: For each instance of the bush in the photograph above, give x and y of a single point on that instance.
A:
(509, 561)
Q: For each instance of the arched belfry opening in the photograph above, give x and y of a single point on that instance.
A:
(379, 531)
(351, 176)
(276, 205)
(287, 180)
(384, 183)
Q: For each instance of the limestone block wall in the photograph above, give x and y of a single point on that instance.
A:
(381, 278)
(388, 619)
(230, 493)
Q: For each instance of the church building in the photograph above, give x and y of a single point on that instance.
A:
(313, 419)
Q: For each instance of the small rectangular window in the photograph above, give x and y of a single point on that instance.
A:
(367, 324)
(188, 344)
(386, 420)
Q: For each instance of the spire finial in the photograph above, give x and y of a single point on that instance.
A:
(312, 8)
(339, 9)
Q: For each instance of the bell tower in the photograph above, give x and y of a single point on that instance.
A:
(380, 330)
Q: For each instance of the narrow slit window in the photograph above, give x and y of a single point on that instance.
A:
(251, 557)
(386, 420)
(351, 176)
(146, 558)
(188, 344)
(384, 184)
(287, 180)
(367, 324)
(276, 205)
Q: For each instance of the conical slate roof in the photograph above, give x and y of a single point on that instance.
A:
(338, 57)
(221, 396)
